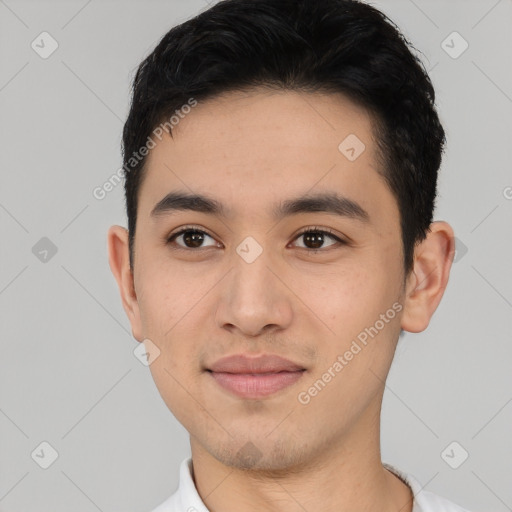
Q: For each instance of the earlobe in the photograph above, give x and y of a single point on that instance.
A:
(426, 284)
(119, 261)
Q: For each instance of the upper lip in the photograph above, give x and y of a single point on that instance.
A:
(265, 363)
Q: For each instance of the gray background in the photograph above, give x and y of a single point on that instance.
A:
(68, 373)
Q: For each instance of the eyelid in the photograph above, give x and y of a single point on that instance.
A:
(188, 227)
(316, 229)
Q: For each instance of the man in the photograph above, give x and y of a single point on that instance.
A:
(281, 162)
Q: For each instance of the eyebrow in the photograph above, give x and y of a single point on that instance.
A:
(320, 203)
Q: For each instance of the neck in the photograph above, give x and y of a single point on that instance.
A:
(344, 476)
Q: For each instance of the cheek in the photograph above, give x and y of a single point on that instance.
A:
(156, 311)
(172, 386)
(164, 295)
(350, 301)
(343, 297)
(169, 303)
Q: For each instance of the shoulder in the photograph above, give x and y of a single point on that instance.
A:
(430, 502)
(185, 498)
(171, 504)
(424, 501)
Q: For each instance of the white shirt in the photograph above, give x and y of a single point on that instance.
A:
(187, 499)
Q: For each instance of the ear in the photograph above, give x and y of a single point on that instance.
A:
(119, 260)
(428, 279)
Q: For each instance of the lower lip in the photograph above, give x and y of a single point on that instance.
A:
(256, 385)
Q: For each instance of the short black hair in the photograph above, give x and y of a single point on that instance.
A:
(334, 46)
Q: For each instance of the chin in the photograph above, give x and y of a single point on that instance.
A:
(260, 455)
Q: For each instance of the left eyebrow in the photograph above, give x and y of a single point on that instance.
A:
(319, 203)
(326, 203)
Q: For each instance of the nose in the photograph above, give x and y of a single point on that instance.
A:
(254, 298)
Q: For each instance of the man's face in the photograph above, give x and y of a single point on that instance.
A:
(200, 298)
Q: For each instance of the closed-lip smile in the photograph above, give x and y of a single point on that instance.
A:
(255, 377)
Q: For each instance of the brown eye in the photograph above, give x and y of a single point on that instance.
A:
(315, 239)
(191, 238)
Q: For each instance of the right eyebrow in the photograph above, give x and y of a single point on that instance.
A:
(176, 201)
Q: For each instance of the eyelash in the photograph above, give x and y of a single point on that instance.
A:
(324, 231)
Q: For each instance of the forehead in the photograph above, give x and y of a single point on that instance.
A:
(252, 148)
(260, 115)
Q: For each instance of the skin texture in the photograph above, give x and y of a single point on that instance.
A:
(250, 151)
